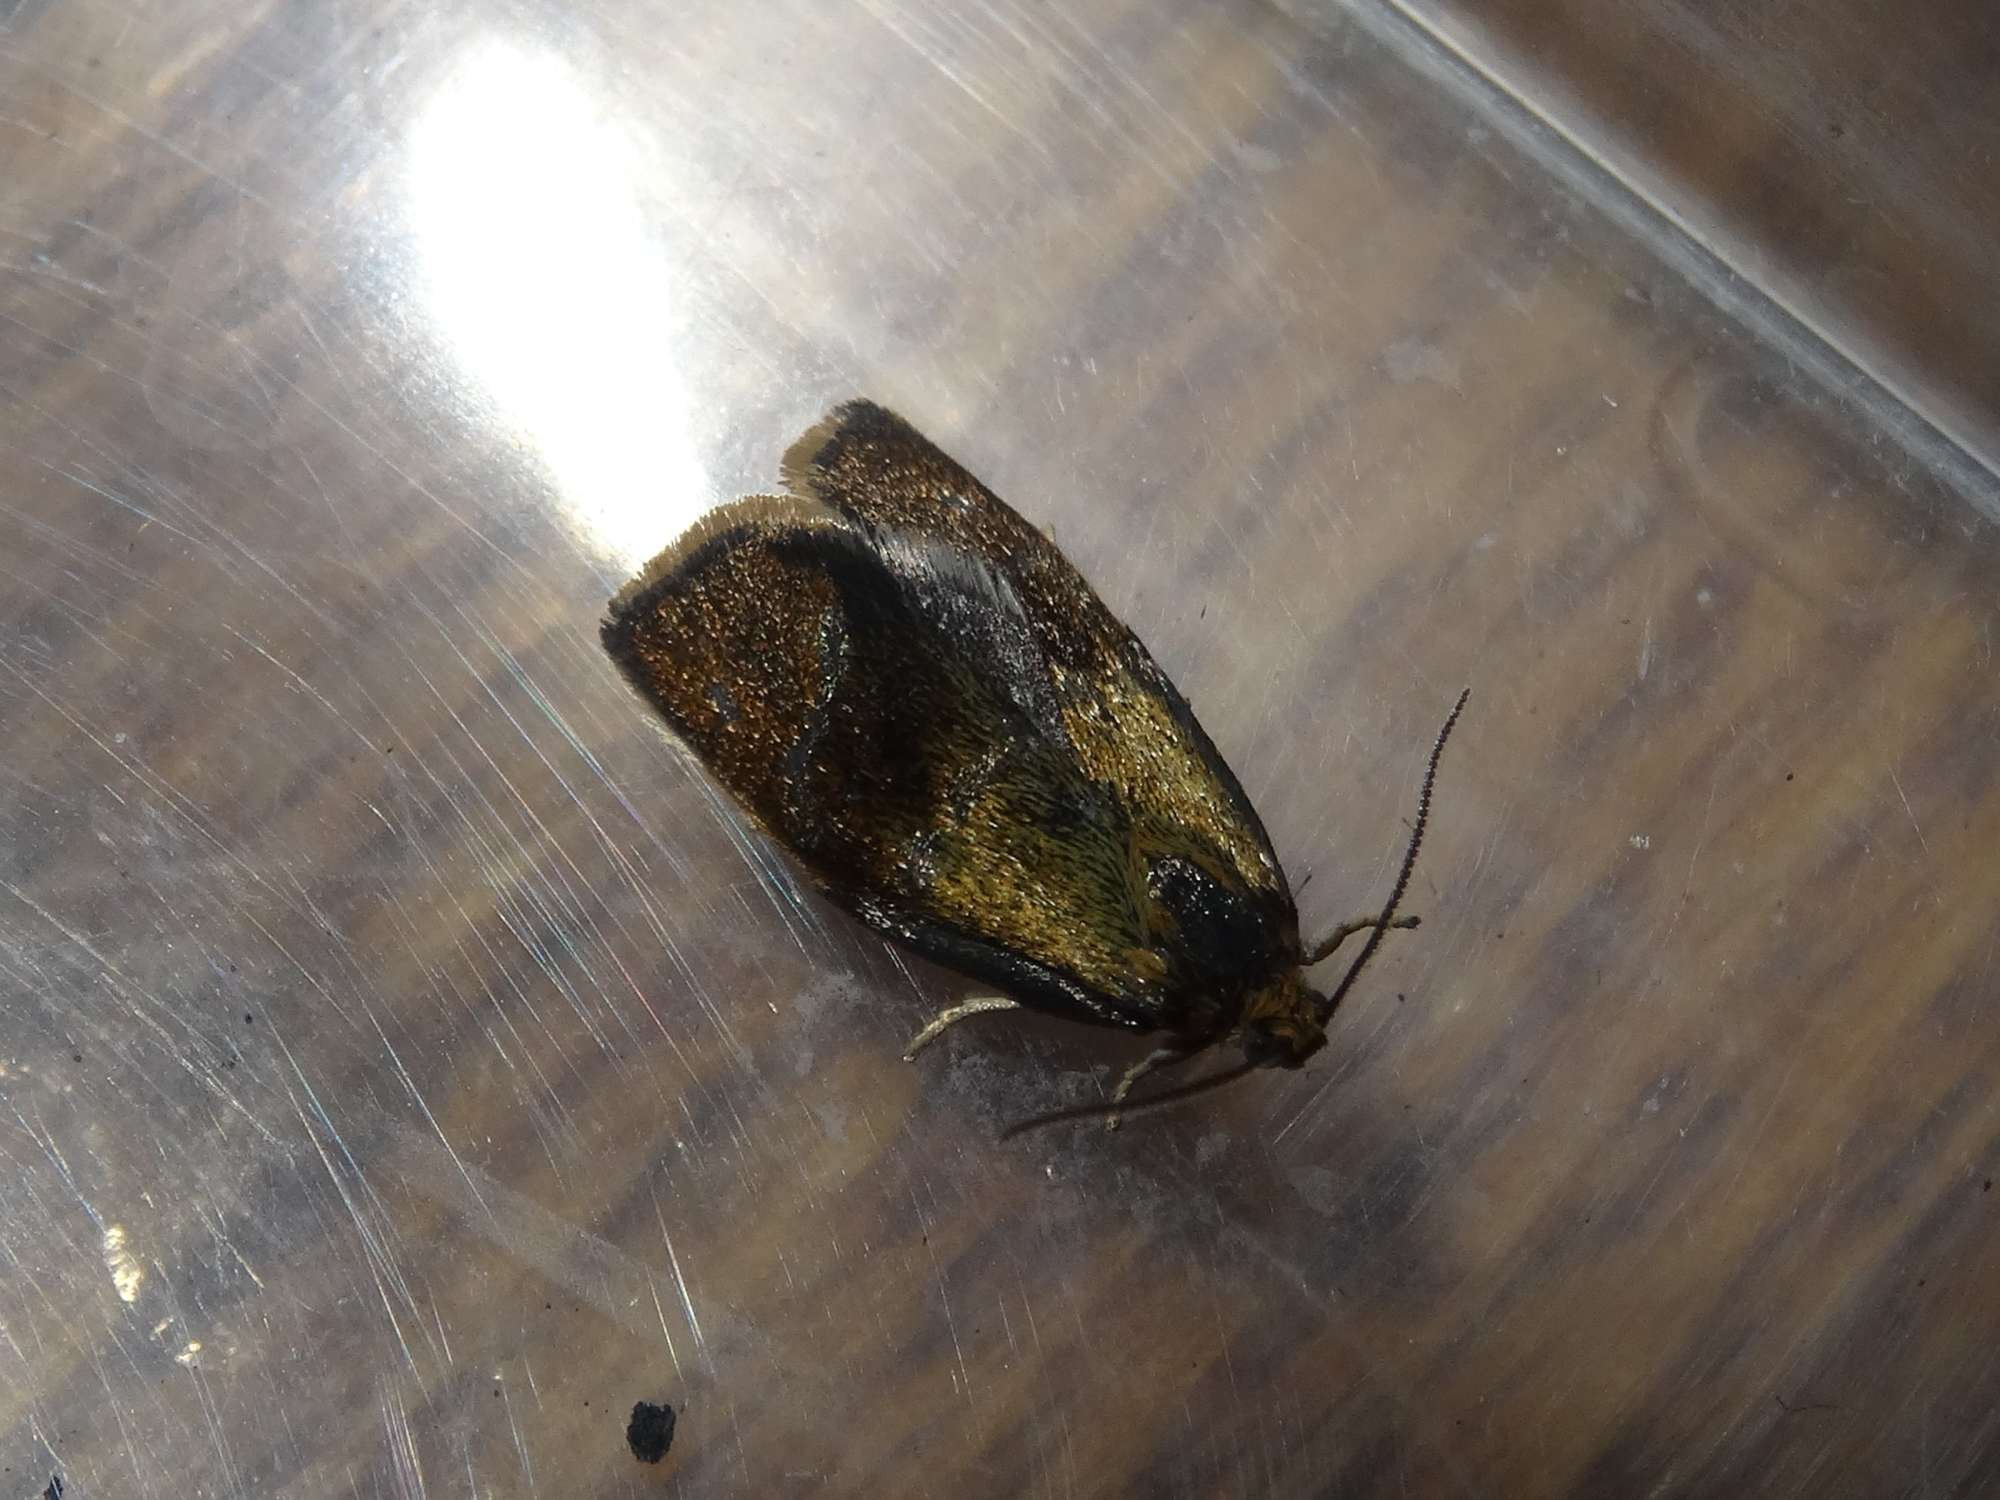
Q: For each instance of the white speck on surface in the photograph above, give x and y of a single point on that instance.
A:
(1640, 841)
(1651, 1106)
(127, 1274)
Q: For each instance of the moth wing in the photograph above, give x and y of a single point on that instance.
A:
(876, 703)
(1128, 724)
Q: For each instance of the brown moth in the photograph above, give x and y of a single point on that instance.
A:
(920, 699)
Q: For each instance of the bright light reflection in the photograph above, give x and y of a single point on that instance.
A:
(535, 261)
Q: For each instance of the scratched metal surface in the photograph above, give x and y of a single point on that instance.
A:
(406, 1064)
(1840, 154)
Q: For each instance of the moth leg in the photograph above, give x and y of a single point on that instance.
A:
(1159, 1057)
(1325, 946)
(977, 1006)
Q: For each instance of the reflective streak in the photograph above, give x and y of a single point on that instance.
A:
(537, 267)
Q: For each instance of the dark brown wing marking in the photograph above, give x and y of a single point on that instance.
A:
(1129, 727)
(874, 703)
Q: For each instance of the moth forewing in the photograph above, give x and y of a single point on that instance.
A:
(925, 704)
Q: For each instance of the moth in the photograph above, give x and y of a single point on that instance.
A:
(915, 694)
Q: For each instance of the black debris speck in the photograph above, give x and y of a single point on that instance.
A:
(650, 1433)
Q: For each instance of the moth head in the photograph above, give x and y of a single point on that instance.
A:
(1281, 1024)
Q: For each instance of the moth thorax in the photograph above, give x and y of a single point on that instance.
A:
(1280, 1026)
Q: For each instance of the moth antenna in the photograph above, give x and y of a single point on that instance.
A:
(1409, 866)
(1130, 1106)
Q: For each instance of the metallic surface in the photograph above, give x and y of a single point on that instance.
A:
(406, 1061)
(1840, 156)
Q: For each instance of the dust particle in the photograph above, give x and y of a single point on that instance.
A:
(650, 1433)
